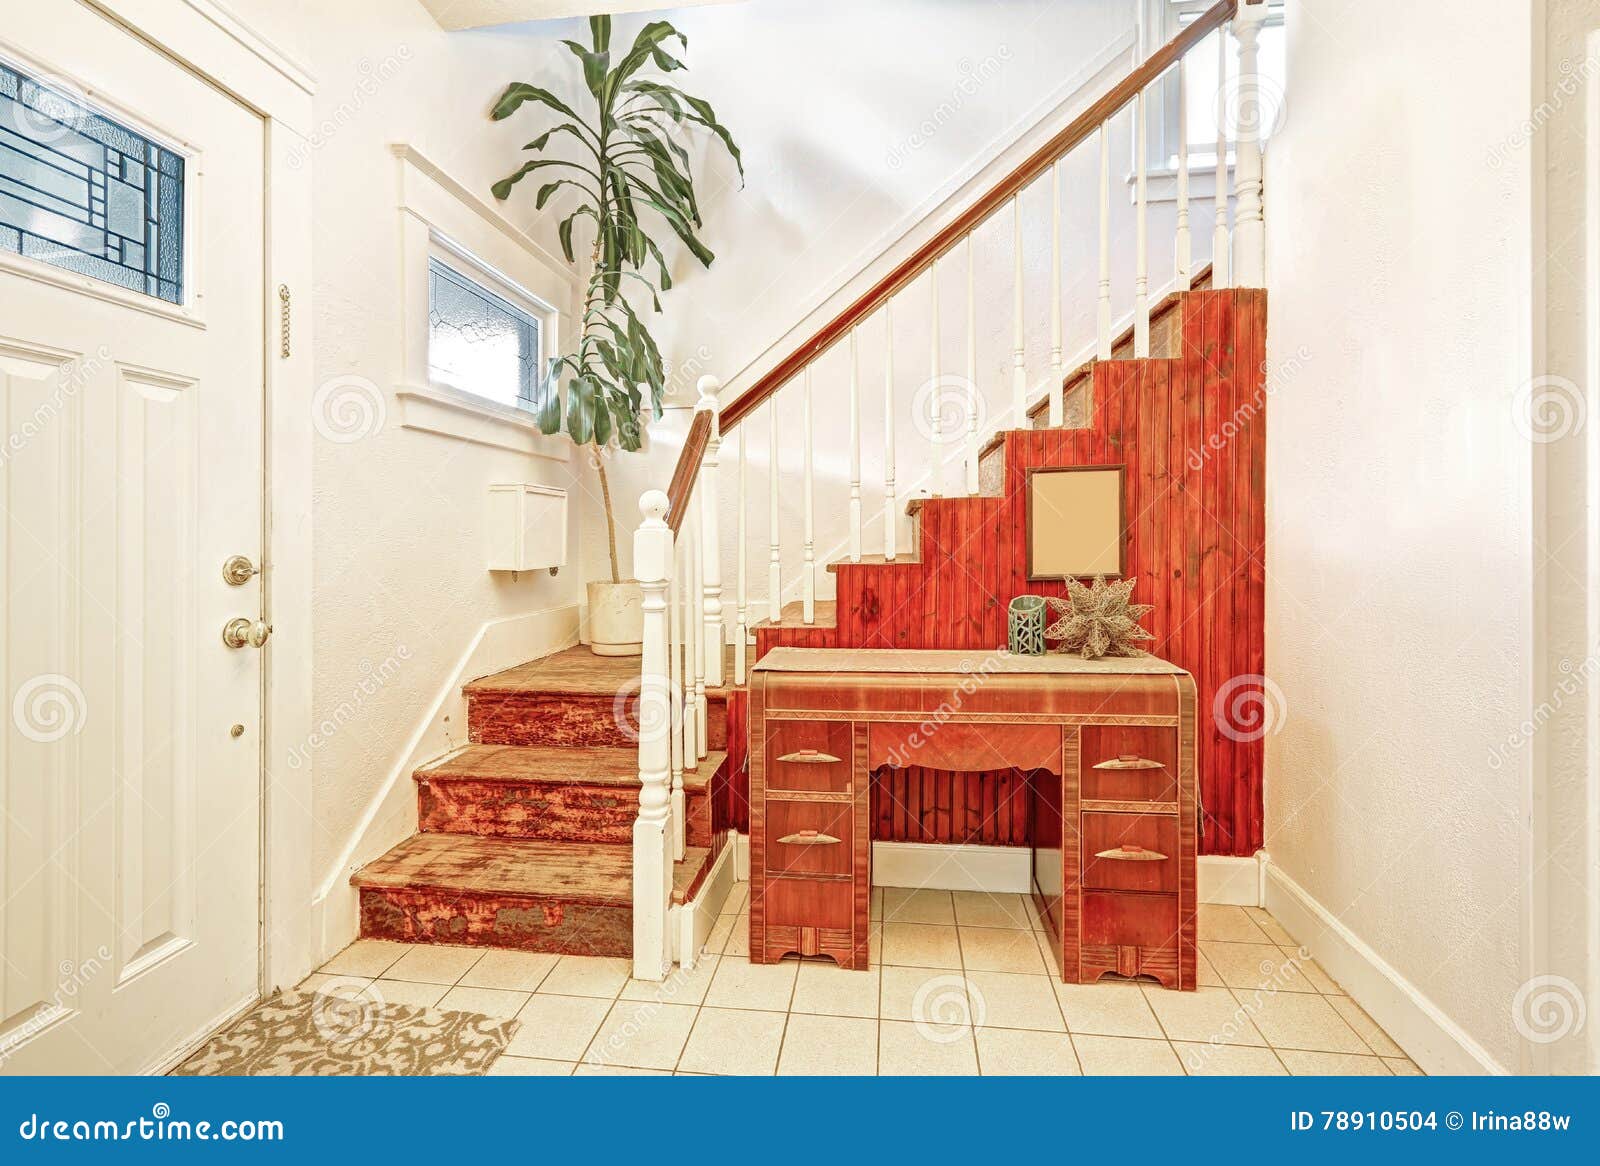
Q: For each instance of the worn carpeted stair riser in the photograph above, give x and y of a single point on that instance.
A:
(535, 718)
(523, 922)
(553, 812)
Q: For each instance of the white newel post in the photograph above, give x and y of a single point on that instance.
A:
(710, 547)
(652, 849)
(1249, 233)
(741, 636)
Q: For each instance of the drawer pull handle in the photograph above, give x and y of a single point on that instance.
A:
(1131, 853)
(810, 757)
(1129, 761)
(809, 838)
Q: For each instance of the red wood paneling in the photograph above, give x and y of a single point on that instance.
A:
(916, 804)
(1191, 432)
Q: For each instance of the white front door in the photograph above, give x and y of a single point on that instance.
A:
(130, 807)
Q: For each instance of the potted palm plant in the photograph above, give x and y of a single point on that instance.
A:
(622, 165)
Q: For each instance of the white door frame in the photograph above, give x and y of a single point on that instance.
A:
(210, 42)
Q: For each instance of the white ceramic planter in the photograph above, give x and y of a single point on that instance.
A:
(616, 619)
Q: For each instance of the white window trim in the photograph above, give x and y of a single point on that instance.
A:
(1161, 18)
(441, 217)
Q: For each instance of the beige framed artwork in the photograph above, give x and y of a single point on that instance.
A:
(1076, 524)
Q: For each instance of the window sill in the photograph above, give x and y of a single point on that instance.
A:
(1162, 185)
(449, 412)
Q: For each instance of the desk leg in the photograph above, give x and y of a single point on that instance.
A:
(861, 838)
(1071, 858)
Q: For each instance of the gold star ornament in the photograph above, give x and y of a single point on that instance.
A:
(1098, 620)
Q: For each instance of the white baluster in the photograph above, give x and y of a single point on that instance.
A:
(697, 565)
(652, 850)
(675, 636)
(688, 593)
(742, 629)
(888, 432)
(774, 573)
(710, 524)
(1103, 308)
(855, 453)
(1057, 373)
(1219, 233)
(972, 374)
(1249, 228)
(935, 385)
(1141, 247)
(1019, 365)
(808, 578)
(1182, 257)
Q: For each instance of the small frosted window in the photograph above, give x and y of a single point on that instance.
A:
(480, 342)
(86, 193)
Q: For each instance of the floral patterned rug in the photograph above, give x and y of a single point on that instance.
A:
(349, 1031)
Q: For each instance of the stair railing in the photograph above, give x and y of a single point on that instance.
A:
(676, 551)
(677, 560)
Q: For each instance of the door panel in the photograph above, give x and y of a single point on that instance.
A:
(129, 814)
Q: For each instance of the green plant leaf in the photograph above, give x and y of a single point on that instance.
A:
(602, 422)
(520, 92)
(595, 67)
(581, 394)
(502, 189)
(701, 113)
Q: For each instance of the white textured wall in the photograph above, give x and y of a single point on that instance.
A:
(1398, 490)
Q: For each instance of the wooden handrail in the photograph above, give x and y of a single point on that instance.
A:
(1036, 164)
(688, 468)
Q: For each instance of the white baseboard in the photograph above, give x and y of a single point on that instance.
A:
(697, 917)
(1008, 870)
(1222, 878)
(946, 867)
(1430, 1038)
(391, 815)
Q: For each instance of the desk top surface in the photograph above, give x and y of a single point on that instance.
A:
(921, 662)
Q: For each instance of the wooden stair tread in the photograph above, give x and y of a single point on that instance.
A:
(586, 872)
(869, 561)
(793, 615)
(615, 765)
(574, 671)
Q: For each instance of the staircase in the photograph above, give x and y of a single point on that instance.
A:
(526, 835)
(564, 827)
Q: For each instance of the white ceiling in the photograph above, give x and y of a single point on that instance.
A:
(459, 14)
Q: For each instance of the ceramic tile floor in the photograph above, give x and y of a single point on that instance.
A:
(959, 985)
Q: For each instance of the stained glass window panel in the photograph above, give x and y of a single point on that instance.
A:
(478, 341)
(86, 193)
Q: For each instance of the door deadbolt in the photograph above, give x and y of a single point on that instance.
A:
(236, 633)
(237, 570)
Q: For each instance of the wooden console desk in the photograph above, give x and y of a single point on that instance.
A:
(1110, 744)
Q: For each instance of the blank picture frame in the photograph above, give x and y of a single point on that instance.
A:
(1076, 523)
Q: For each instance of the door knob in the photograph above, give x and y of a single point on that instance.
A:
(236, 633)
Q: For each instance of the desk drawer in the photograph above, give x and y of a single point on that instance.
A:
(809, 838)
(1127, 920)
(810, 903)
(1119, 852)
(808, 756)
(1129, 763)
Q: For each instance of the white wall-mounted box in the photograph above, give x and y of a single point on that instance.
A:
(527, 528)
